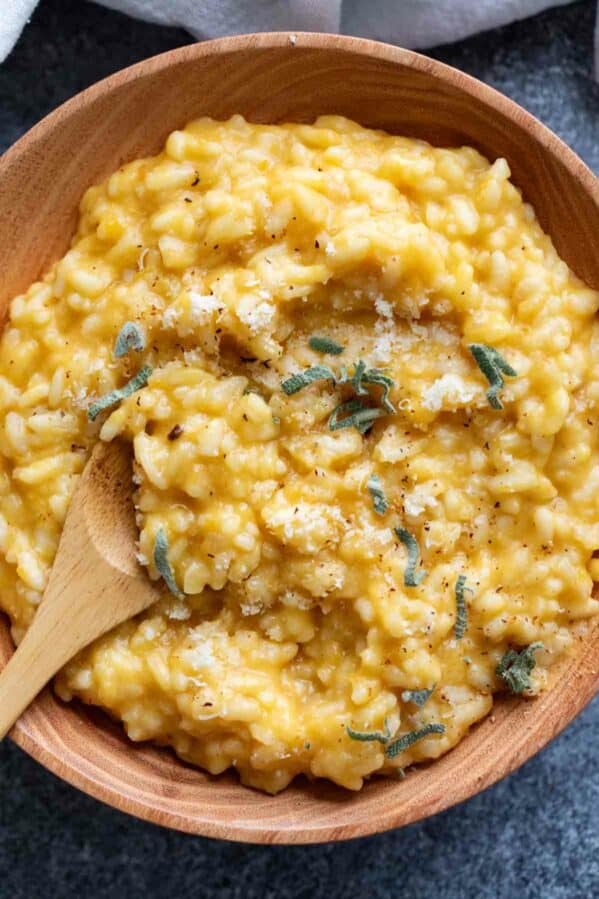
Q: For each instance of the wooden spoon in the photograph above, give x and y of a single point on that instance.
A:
(95, 583)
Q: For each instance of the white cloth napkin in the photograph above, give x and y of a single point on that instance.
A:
(409, 23)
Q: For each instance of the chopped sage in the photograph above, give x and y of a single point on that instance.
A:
(411, 577)
(397, 746)
(418, 697)
(355, 379)
(379, 500)
(325, 345)
(376, 376)
(492, 364)
(162, 563)
(303, 378)
(461, 619)
(362, 375)
(372, 737)
(358, 416)
(130, 337)
(115, 396)
(515, 667)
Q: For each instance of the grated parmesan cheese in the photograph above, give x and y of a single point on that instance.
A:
(202, 654)
(202, 307)
(178, 611)
(251, 607)
(170, 317)
(383, 307)
(257, 316)
(450, 389)
(416, 502)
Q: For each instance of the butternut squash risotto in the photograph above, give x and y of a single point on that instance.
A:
(362, 396)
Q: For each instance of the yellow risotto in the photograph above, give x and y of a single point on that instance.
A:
(363, 405)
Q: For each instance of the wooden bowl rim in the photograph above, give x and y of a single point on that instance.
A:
(387, 816)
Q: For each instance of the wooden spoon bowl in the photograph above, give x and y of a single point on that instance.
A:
(271, 78)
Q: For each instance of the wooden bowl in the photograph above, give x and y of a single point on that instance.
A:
(273, 78)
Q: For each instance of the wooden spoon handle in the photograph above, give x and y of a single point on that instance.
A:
(39, 656)
(63, 625)
(95, 583)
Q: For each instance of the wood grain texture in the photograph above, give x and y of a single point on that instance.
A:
(267, 78)
(95, 582)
